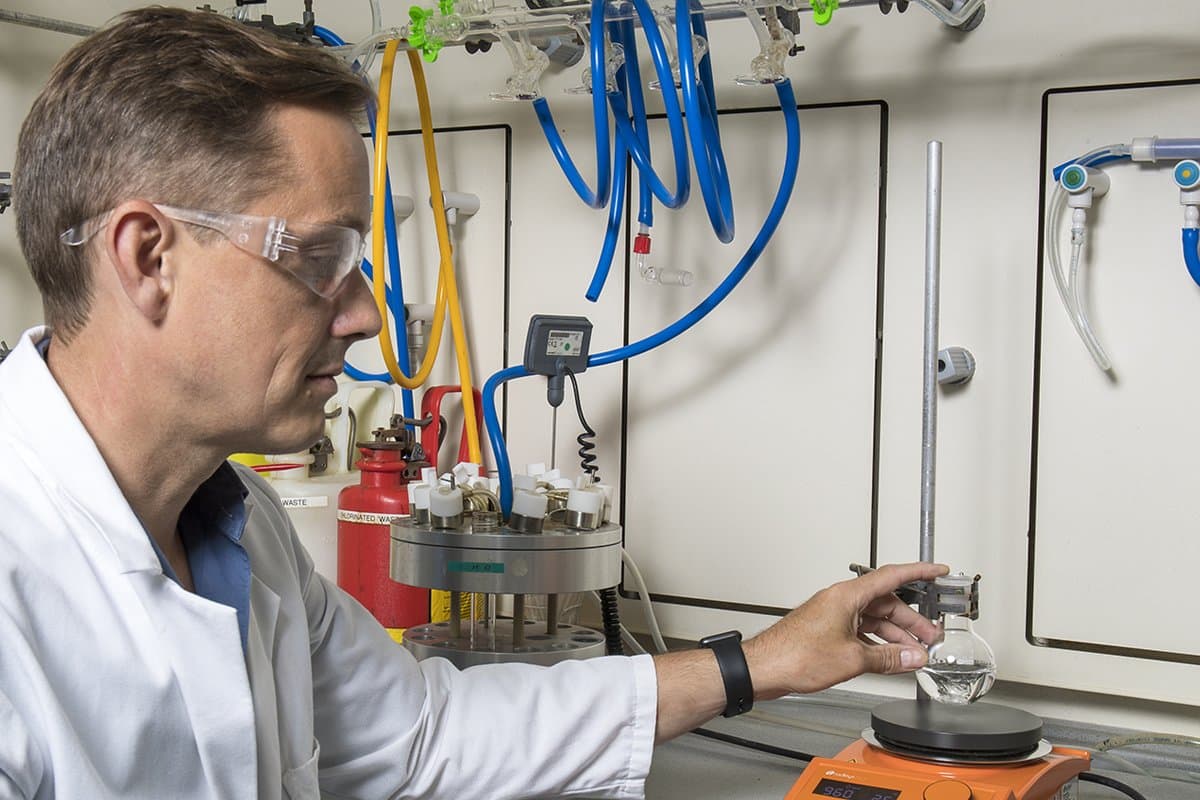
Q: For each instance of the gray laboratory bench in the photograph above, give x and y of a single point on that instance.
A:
(694, 768)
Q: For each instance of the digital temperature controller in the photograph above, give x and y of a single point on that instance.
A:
(854, 791)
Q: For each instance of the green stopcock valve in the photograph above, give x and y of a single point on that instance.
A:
(418, 32)
(823, 10)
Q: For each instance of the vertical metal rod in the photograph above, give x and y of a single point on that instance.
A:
(473, 605)
(455, 615)
(490, 602)
(933, 235)
(551, 614)
(518, 636)
(933, 240)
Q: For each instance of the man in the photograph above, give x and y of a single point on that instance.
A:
(191, 198)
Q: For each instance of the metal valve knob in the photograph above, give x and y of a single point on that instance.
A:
(955, 365)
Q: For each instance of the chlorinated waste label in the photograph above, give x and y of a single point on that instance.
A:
(368, 518)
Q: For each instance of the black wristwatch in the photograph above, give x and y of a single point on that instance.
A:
(739, 691)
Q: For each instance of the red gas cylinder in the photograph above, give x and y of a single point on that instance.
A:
(365, 514)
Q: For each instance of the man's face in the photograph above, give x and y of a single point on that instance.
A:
(259, 348)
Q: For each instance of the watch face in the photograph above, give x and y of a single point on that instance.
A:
(721, 637)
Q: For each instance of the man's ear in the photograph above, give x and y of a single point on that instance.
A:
(137, 238)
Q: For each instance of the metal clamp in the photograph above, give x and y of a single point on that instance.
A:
(952, 594)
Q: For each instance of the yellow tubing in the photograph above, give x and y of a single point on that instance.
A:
(447, 291)
(447, 268)
(378, 217)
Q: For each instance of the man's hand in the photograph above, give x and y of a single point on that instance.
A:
(825, 641)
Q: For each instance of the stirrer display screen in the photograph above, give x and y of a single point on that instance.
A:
(854, 791)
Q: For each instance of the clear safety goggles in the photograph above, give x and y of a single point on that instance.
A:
(319, 255)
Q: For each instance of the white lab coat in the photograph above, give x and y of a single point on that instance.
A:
(115, 682)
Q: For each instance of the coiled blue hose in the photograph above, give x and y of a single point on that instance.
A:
(616, 213)
(787, 103)
(616, 207)
(598, 198)
(700, 105)
(631, 85)
(637, 134)
(634, 137)
(395, 290)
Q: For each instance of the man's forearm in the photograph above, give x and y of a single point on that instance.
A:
(690, 691)
(847, 629)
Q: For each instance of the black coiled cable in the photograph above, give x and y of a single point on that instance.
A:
(609, 611)
(613, 645)
(587, 459)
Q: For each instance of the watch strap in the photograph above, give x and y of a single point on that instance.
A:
(735, 673)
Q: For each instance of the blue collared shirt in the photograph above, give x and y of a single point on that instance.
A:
(211, 526)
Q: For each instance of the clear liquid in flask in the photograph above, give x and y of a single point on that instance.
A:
(956, 684)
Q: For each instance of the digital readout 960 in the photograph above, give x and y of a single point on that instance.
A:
(854, 791)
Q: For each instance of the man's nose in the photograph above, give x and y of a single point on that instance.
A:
(357, 317)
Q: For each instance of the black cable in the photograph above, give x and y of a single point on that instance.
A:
(752, 745)
(587, 458)
(611, 615)
(1112, 783)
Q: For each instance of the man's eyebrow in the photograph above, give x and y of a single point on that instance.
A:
(350, 220)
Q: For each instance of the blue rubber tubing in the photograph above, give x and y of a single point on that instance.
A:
(1191, 256)
(395, 292)
(787, 182)
(700, 106)
(598, 198)
(632, 84)
(616, 214)
(637, 133)
(616, 209)
(629, 84)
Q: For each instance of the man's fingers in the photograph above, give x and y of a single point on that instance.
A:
(889, 578)
(888, 659)
(894, 610)
(887, 630)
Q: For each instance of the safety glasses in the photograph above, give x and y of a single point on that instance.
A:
(320, 256)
